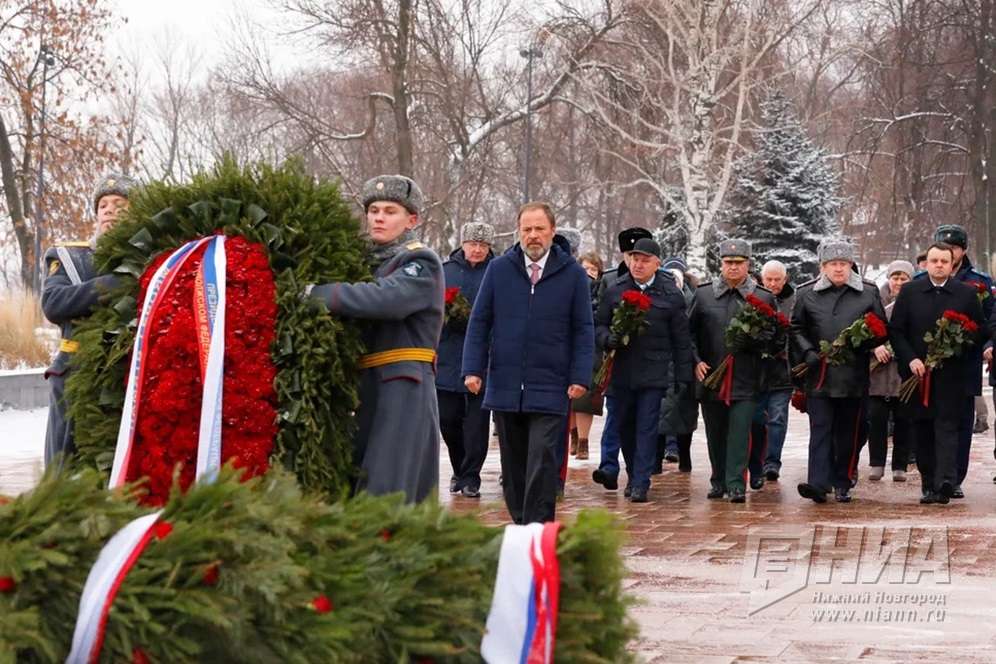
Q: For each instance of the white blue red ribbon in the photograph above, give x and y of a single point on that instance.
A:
(522, 623)
(158, 286)
(209, 310)
(115, 559)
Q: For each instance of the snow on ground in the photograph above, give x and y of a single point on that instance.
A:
(22, 445)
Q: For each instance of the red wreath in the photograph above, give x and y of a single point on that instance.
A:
(169, 415)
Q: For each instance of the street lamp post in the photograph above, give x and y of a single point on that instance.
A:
(47, 60)
(529, 54)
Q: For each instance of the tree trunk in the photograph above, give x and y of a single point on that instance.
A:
(399, 84)
(15, 207)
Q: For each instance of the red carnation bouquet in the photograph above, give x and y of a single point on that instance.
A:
(841, 350)
(457, 309)
(757, 327)
(628, 320)
(953, 333)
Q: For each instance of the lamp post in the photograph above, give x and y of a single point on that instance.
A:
(47, 60)
(529, 54)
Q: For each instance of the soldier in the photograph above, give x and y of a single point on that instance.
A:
(658, 358)
(727, 427)
(397, 440)
(835, 399)
(70, 292)
(964, 271)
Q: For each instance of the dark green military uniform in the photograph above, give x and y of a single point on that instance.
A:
(70, 291)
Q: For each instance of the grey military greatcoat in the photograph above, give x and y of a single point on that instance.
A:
(70, 292)
(397, 442)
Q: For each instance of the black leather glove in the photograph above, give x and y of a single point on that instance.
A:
(613, 341)
(813, 360)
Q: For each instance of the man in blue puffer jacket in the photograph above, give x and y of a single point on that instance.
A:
(463, 420)
(534, 314)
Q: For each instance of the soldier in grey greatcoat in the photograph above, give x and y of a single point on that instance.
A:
(397, 441)
(70, 291)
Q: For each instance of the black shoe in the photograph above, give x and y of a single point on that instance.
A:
(716, 492)
(811, 492)
(454, 485)
(956, 492)
(610, 482)
(842, 495)
(757, 483)
(637, 495)
(771, 475)
(737, 496)
(671, 456)
(947, 490)
(470, 492)
(928, 498)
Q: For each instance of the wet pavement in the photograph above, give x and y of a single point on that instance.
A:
(778, 579)
(781, 579)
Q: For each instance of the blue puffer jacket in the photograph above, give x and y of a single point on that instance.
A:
(542, 339)
(459, 274)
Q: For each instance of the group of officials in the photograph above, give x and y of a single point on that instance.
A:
(539, 321)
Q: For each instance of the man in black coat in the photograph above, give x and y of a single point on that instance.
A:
(835, 395)
(657, 358)
(918, 307)
(727, 425)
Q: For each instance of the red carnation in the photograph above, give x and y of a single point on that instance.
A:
(162, 529)
(321, 604)
(637, 299)
(210, 576)
(138, 656)
(7, 584)
(385, 535)
(876, 325)
(451, 294)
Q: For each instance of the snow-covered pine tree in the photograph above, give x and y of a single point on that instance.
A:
(784, 199)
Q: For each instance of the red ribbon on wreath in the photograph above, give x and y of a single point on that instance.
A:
(823, 372)
(726, 390)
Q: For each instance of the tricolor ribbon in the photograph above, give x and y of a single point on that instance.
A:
(925, 388)
(823, 372)
(726, 389)
(115, 560)
(522, 623)
(209, 309)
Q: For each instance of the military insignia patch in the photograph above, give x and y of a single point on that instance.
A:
(53, 267)
(412, 269)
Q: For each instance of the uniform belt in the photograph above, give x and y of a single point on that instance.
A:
(397, 355)
(69, 346)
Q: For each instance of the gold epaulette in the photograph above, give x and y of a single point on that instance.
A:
(72, 244)
(412, 246)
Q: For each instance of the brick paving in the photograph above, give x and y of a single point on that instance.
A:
(698, 567)
(691, 564)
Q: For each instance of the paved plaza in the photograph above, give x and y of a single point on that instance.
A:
(778, 579)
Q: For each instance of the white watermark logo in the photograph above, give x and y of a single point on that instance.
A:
(850, 573)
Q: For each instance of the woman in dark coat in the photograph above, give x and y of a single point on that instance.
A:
(584, 408)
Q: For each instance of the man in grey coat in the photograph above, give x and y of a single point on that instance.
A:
(397, 441)
(70, 291)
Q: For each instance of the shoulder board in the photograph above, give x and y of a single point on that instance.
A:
(668, 274)
(72, 244)
(703, 284)
(762, 289)
(980, 274)
(808, 283)
(412, 246)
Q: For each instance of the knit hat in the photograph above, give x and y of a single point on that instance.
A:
(117, 184)
(675, 263)
(836, 249)
(900, 266)
(395, 188)
(477, 231)
(573, 237)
